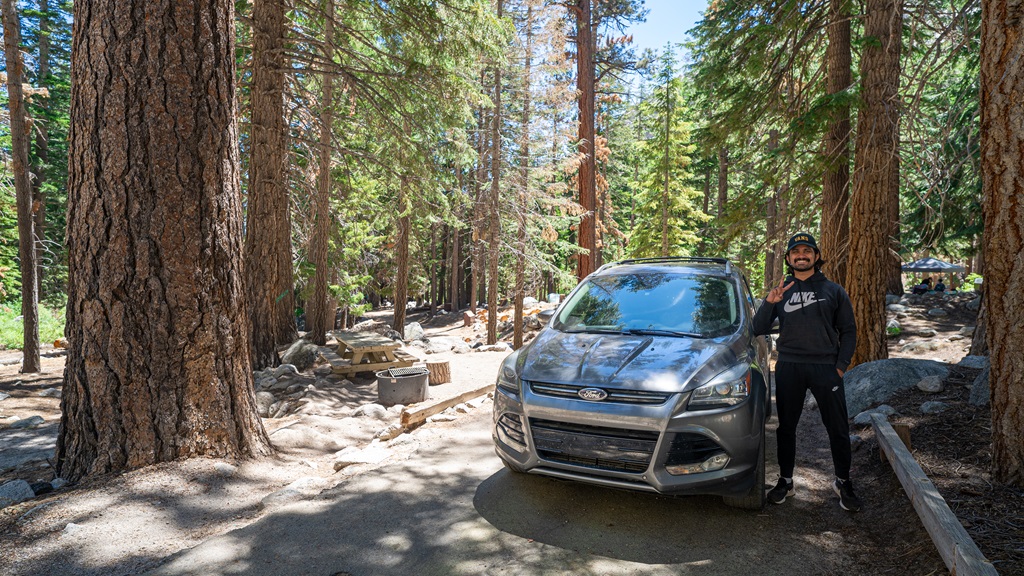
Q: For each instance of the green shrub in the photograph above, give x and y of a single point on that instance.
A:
(968, 285)
(51, 324)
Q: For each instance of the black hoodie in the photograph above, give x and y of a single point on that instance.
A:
(816, 324)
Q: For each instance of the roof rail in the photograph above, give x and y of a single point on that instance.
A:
(728, 264)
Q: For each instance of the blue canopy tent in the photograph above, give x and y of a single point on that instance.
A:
(932, 265)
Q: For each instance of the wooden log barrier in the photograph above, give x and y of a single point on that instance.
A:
(958, 551)
(439, 371)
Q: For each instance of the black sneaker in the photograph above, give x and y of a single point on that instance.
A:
(783, 489)
(847, 499)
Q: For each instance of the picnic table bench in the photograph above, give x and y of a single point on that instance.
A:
(367, 352)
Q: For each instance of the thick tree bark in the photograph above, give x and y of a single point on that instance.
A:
(586, 179)
(494, 221)
(42, 147)
(723, 181)
(834, 238)
(771, 264)
(524, 176)
(316, 307)
(667, 180)
(268, 252)
(476, 249)
(402, 256)
(158, 361)
(1002, 171)
(876, 151)
(22, 189)
(456, 246)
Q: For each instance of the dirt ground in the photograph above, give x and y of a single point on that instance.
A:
(168, 508)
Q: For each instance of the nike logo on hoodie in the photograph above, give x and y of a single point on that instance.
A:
(800, 300)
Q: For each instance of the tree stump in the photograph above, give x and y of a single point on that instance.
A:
(439, 372)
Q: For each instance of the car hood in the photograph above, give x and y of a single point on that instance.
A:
(654, 363)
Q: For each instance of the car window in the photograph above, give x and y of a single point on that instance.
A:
(705, 305)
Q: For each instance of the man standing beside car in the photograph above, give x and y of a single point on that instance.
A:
(817, 337)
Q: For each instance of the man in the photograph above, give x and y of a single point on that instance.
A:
(817, 337)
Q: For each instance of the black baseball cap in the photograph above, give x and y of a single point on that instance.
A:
(802, 238)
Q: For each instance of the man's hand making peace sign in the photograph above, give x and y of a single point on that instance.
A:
(775, 296)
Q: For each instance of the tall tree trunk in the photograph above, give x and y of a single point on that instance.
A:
(433, 289)
(268, 252)
(42, 148)
(158, 362)
(772, 225)
(524, 176)
(665, 199)
(835, 206)
(476, 251)
(456, 245)
(316, 307)
(402, 256)
(723, 181)
(894, 264)
(877, 148)
(588, 163)
(22, 189)
(1002, 171)
(494, 225)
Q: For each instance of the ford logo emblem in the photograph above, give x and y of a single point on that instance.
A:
(595, 394)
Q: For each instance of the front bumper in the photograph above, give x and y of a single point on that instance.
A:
(630, 446)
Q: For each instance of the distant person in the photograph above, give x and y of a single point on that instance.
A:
(940, 287)
(921, 288)
(817, 337)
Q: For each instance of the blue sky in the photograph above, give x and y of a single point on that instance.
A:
(667, 21)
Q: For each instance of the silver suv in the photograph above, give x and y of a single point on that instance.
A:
(648, 377)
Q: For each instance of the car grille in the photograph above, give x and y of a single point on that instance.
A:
(617, 395)
(512, 426)
(612, 449)
(690, 448)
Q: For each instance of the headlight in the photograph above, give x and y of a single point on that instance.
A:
(727, 389)
(508, 379)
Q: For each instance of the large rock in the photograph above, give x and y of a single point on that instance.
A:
(413, 331)
(896, 308)
(980, 389)
(919, 347)
(440, 344)
(264, 400)
(976, 362)
(302, 354)
(931, 384)
(30, 422)
(974, 305)
(877, 381)
(15, 491)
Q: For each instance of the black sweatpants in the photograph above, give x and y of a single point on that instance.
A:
(792, 380)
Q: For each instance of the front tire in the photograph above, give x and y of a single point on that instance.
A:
(754, 499)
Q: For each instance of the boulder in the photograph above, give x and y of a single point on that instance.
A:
(864, 418)
(462, 349)
(15, 491)
(372, 454)
(440, 344)
(375, 411)
(30, 422)
(975, 362)
(967, 331)
(49, 393)
(264, 400)
(927, 333)
(303, 354)
(919, 347)
(937, 312)
(980, 389)
(892, 299)
(325, 370)
(931, 384)
(973, 305)
(896, 308)
(874, 382)
(530, 301)
(413, 331)
(934, 407)
(285, 370)
(225, 469)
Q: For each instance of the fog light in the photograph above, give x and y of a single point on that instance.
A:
(716, 462)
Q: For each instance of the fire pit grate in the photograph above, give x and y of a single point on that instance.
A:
(401, 372)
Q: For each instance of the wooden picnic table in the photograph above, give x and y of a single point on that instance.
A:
(367, 352)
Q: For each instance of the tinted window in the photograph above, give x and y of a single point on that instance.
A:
(653, 301)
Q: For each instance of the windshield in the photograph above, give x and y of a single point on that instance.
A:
(674, 304)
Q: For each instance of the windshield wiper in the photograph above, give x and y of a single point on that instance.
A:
(594, 331)
(659, 332)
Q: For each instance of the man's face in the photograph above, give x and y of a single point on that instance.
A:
(802, 258)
